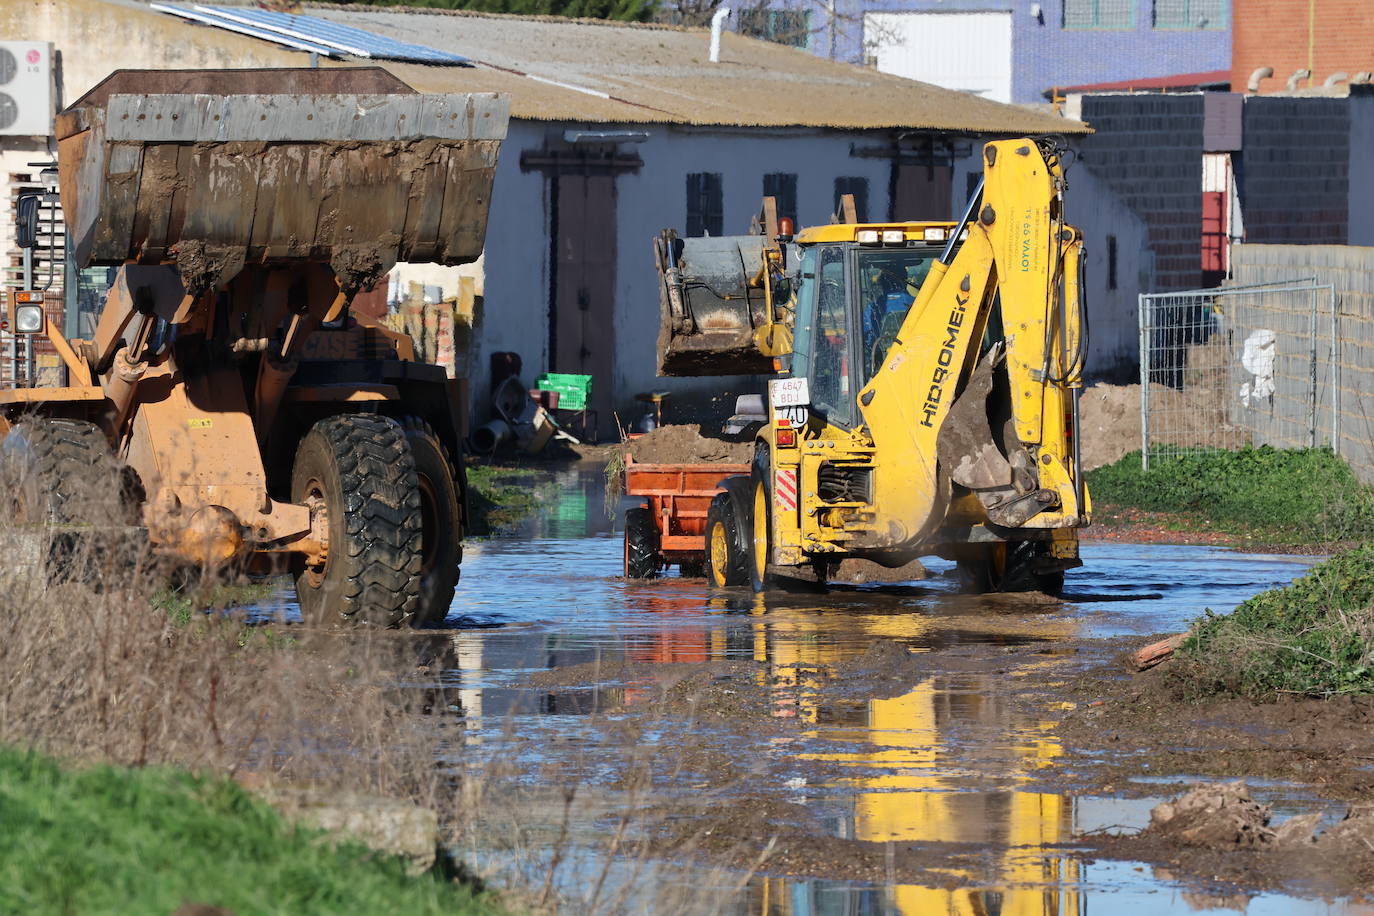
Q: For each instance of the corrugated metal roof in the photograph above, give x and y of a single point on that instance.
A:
(599, 71)
(312, 33)
(593, 71)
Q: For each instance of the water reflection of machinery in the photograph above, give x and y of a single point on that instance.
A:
(914, 784)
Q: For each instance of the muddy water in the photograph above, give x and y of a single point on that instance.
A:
(663, 747)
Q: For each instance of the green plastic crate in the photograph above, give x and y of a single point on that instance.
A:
(572, 389)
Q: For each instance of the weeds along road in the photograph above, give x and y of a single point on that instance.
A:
(658, 746)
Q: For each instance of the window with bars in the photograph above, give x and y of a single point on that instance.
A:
(782, 187)
(1191, 14)
(705, 204)
(859, 188)
(784, 27)
(1099, 14)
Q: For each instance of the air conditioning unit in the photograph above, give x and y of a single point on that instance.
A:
(26, 88)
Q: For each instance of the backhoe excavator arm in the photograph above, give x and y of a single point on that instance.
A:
(978, 390)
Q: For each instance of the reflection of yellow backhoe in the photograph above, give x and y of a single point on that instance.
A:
(930, 404)
(263, 424)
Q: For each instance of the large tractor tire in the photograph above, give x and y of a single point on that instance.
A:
(726, 555)
(642, 557)
(358, 470)
(64, 473)
(441, 524)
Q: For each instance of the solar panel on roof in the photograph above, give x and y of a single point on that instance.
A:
(326, 37)
(208, 19)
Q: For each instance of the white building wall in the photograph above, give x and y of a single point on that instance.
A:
(970, 52)
(648, 201)
(1114, 328)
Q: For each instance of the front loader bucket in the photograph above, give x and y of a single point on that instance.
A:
(710, 310)
(212, 169)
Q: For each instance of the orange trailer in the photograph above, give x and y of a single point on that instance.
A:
(669, 528)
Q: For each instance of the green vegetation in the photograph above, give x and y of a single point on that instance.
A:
(1314, 637)
(499, 498)
(112, 840)
(183, 605)
(1275, 495)
(625, 10)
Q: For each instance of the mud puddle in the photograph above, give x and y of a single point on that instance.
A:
(662, 747)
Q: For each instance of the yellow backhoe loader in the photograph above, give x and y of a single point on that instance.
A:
(927, 403)
(240, 413)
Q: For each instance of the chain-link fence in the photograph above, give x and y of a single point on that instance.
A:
(1244, 365)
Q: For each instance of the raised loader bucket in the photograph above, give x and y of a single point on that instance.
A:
(214, 169)
(711, 305)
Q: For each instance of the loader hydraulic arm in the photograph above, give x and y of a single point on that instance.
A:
(979, 389)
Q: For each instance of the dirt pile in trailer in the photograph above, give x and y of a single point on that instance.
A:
(686, 445)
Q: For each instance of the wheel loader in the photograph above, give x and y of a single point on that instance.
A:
(228, 400)
(926, 389)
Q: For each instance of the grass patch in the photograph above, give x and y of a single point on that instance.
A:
(1314, 637)
(1277, 495)
(113, 840)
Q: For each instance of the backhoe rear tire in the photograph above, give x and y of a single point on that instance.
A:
(642, 558)
(358, 470)
(441, 524)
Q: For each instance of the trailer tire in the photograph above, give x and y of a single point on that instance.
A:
(358, 469)
(726, 560)
(441, 524)
(642, 557)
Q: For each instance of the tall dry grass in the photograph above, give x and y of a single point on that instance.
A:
(98, 665)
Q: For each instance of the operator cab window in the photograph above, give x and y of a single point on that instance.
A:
(888, 282)
(821, 344)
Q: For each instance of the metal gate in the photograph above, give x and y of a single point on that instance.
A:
(1241, 365)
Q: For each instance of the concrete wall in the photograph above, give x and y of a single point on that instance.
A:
(1148, 150)
(1350, 270)
(1044, 54)
(1294, 175)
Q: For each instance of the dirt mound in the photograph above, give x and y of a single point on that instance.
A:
(1216, 816)
(1110, 419)
(685, 445)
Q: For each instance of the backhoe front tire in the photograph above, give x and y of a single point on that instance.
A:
(358, 470)
(642, 558)
(441, 524)
(1005, 567)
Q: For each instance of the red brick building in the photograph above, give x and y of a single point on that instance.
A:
(1323, 36)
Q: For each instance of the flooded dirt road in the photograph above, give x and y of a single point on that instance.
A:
(663, 747)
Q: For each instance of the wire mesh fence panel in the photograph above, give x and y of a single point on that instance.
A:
(1223, 368)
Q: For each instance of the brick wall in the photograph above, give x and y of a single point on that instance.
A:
(1294, 175)
(1148, 150)
(1276, 33)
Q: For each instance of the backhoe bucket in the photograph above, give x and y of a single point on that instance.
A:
(214, 169)
(710, 308)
